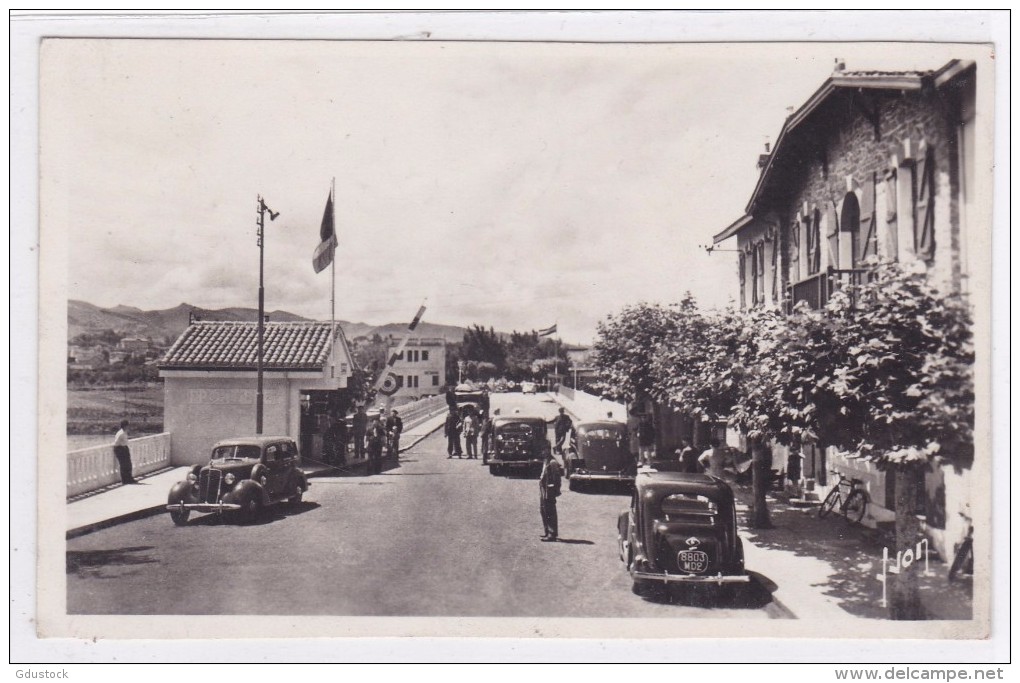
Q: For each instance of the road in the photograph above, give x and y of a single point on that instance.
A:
(429, 537)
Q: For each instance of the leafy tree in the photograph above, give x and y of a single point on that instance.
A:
(909, 374)
(625, 349)
(483, 345)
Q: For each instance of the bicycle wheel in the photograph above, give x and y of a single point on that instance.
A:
(829, 503)
(855, 506)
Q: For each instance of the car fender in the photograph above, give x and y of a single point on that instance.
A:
(302, 479)
(181, 492)
(244, 491)
(258, 473)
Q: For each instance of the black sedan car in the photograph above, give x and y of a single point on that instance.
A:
(681, 530)
(243, 477)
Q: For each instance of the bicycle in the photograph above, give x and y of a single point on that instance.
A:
(963, 560)
(853, 505)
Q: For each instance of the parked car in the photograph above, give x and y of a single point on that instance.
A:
(519, 444)
(528, 387)
(681, 530)
(243, 477)
(600, 451)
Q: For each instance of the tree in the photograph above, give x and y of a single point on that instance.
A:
(625, 349)
(909, 372)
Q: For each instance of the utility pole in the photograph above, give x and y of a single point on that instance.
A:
(262, 209)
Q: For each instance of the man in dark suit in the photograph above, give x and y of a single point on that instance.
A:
(360, 428)
(561, 427)
(549, 485)
(451, 428)
(394, 425)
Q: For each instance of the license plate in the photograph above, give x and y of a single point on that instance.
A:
(693, 561)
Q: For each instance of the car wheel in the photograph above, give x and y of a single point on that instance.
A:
(180, 516)
(574, 485)
(494, 470)
(252, 510)
(295, 500)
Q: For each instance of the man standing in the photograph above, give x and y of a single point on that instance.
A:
(561, 427)
(451, 429)
(714, 460)
(687, 457)
(123, 454)
(646, 439)
(394, 425)
(549, 484)
(376, 439)
(335, 443)
(470, 423)
(360, 428)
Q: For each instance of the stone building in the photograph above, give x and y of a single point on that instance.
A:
(875, 166)
(210, 380)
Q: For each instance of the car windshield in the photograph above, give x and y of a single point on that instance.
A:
(235, 452)
(602, 435)
(519, 429)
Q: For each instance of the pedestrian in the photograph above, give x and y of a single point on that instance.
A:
(483, 403)
(123, 454)
(451, 429)
(334, 443)
(714, 459)
(451, 398)
(394, 425)
(561, 427)
(549, 490)
(360, 428)
(381, 420)
(646, 439)
(488, 430)
(687, 457)
(470, 423)
(376, 439)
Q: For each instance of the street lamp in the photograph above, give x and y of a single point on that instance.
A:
(262, 209)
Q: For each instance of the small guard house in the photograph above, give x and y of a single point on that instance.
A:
(210, 377)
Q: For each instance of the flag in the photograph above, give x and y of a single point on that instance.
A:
(547, 331)
(327, 235)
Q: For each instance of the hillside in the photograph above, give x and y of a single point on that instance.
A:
(169, 323)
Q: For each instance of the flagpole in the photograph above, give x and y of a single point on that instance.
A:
(332, 291)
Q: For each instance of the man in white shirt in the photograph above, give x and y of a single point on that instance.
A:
(123, 454)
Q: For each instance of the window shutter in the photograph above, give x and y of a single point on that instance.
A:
(743, 268)
(868, 241)
(775, 268)
(924, 210)
(754, 275)
(833, 234)
(892, 241)
(795, 251)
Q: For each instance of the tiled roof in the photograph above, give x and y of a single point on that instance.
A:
(885, 74)
(221, 345)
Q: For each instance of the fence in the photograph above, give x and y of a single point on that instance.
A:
(93, 468)
(421, 410)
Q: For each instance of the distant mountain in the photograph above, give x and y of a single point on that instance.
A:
(168, 324)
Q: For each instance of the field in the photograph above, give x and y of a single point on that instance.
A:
(99, 411)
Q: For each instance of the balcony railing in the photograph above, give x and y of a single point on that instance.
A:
(818, 288)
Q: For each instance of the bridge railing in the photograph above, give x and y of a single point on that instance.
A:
(89, 469)
(421, 410)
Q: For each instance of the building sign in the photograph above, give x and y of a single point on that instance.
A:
(222, 397)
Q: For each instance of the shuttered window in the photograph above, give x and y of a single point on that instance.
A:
(775, 267)
(742, 265)
(754, 275)
(892, 241)
(760, 282)
(795, 251)
(832, 233)
(924, 208)
(814, 242)
(867, 242)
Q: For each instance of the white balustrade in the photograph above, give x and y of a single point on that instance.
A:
(89, 469)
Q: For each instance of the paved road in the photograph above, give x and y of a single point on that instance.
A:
(430, 537)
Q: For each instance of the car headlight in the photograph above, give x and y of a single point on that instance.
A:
(192, 477)
(229, 479)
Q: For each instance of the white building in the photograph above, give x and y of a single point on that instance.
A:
(420, 368)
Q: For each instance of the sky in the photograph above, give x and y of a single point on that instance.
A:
(512, 185)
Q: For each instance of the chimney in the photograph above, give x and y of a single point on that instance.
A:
(789, 112)
(763, 159)
(839, 66)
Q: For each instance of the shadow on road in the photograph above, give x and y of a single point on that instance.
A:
(92, 562)
(575, 541)
(754, 595)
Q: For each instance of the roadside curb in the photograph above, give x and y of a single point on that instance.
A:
(421, 438)
(114, 521)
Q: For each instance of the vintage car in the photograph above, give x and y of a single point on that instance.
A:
(529, 387)
(519, 444)
(681, 530)
(243, 476)
(600, 451)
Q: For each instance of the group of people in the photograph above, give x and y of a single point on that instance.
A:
(471, 423)
(370, 439)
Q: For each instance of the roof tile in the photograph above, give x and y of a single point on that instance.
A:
(230, 345)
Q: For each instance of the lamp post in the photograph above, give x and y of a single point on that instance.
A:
(262, 209)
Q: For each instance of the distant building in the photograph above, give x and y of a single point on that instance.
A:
(119, 356)
(420, 369)
(210, 379)
(133, 344)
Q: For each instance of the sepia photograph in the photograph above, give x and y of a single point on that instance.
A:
(446, 337)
